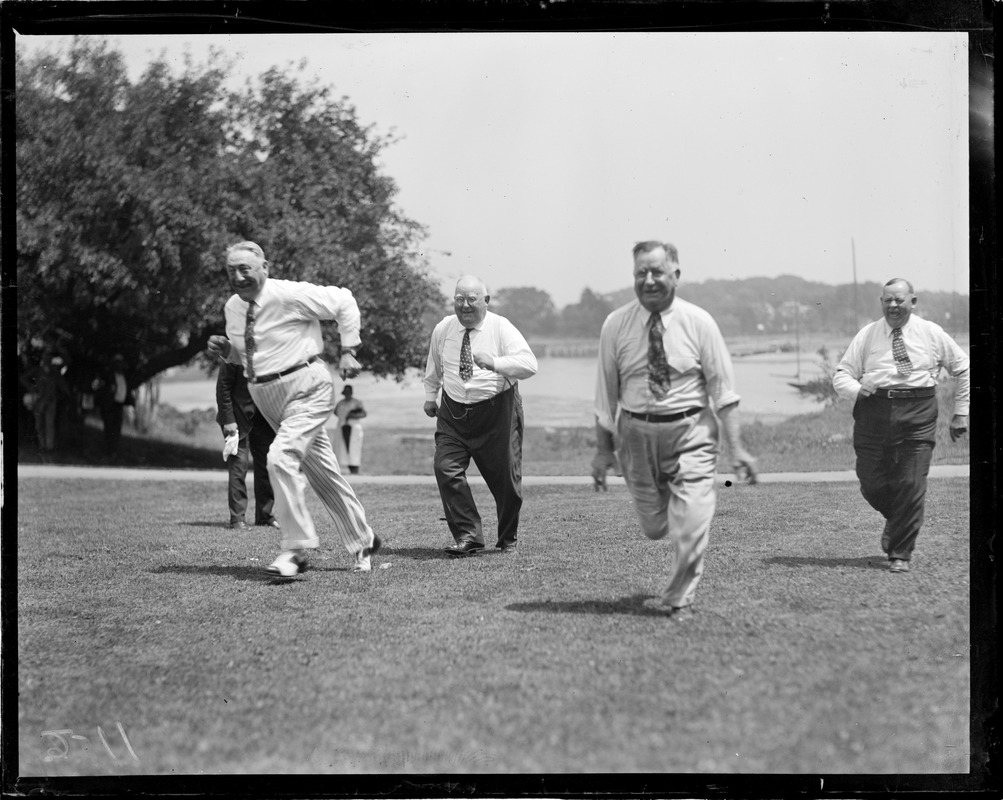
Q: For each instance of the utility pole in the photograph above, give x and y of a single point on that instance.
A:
(853, 253)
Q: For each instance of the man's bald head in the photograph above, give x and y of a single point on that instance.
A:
(470, 301)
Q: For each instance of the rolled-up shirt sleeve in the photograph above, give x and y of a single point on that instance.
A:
(331, 303)
(607, 380)
(718, 369)
(846, 379)
(516, 360)
(433, 365)
(956, 362)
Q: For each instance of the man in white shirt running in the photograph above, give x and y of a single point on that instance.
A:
(664, 389)
(273, 331)
(890, 372)
(476, 359)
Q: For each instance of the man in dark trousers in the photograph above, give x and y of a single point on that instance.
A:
(476, 359)
(890, 373)
(237, 415)
(115, 392)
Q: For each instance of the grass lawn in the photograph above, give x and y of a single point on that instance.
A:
(137, 607)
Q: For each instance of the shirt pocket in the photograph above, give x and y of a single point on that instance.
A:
(683, 364)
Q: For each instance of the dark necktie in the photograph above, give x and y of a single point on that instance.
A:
(658, 365)
(249, 346)
(466, 361)
(902, 362)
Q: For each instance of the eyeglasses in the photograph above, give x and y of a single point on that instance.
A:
(468, 300)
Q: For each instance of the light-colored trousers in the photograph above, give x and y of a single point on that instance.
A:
(352, 454)
(669, 468)
(298, 407)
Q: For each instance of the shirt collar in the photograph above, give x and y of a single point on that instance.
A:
(477, 327)
(263, 295)
(890, 328)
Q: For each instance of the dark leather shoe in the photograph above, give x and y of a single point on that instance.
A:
(898, 565)
(464, 548)
(507, 549)
(238, 525)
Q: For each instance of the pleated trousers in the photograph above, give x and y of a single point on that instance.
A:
(298, 406)
(669, 468)
(894, 440)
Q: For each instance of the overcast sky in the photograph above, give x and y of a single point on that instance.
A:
(538, 159)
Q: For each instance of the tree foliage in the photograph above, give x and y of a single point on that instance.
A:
(585, 318)
(128, 194)
(530, 309)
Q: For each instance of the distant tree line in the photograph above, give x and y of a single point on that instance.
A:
(770, 306)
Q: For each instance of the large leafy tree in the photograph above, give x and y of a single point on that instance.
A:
(530, 309)
(128, 194)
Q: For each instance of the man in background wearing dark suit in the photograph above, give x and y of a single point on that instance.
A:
(237, 414)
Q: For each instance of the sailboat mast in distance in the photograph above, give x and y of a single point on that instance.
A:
(853, 254)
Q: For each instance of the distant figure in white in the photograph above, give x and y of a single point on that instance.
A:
(348, 443)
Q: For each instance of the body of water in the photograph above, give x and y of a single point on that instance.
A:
(559, 395)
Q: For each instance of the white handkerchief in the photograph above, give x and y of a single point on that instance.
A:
(230, 445)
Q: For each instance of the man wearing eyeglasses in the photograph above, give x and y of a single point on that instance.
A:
(475, 361)
(890, 372)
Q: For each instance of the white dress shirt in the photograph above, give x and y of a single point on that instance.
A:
(699, 364)
(287, 323)
(494, 336)
(929, 348)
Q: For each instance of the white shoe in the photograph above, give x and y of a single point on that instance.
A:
(658, 606)
(363, 561)
(288, 564)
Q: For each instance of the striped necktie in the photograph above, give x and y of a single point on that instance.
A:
(902, 362)
(249, 346)
(466, 360)
(658, 365)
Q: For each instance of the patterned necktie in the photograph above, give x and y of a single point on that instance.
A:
(902, 362)
(466, 361)
(658, 365)
(249, 346)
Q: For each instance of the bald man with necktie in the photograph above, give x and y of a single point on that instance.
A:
(890, 372)
(664, 384)
(273, 331)
(476, 360)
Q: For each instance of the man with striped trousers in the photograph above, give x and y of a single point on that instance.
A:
(273, 330)
(889, 372)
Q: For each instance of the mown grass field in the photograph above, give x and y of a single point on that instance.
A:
(137, 607)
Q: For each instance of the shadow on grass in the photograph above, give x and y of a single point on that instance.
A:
(242, 573)
(86, 447)
(420, 553)
(864, 562)
(213, 524)
(632, 605)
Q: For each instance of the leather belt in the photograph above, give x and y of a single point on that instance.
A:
(663, 417)
(892, 394)
(274, 376)
(479, 402)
